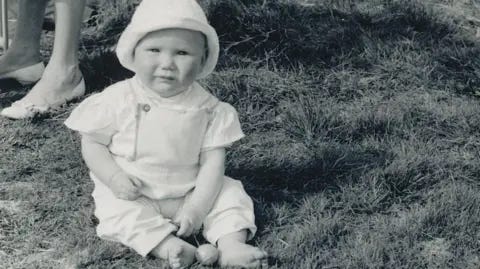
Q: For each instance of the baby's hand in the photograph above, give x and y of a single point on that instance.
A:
(125, 187)
(189, 221)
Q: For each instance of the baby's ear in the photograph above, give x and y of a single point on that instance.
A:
(205, 50)
(204, 57)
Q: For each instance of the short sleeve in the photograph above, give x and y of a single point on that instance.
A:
(223, 129)
(95, 117)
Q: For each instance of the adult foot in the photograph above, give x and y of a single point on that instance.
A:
(54, 89)
(237, 254)
(16, 59)
(26, 75)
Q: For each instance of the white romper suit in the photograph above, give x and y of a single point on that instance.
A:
(159, 141)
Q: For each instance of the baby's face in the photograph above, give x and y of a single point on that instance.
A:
(168, 61)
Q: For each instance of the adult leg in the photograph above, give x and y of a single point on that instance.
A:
(62, 80)
(68, 21)
(62, 73)
(25, 48)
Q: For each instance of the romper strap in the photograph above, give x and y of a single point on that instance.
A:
(201, 98)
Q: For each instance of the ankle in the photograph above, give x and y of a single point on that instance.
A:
(67, 74)
(229, 240)
(64, 61)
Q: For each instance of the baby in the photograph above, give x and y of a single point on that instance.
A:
(155, 144)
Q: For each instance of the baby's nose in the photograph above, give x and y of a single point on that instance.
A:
(166, 62)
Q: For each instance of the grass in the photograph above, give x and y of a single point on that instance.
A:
(362, 147)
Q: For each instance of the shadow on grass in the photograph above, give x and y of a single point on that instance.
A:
(302, 169)
(289, 34)
(460, 67)
(317, 34)
(286, 33)
(102, 69)
(11, 91)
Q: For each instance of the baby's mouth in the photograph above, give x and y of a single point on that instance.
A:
(166, 78)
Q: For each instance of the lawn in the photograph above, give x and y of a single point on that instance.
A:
(362, 148)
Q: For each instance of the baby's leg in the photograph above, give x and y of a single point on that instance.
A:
(235, 252)
(230, 223)
(177, 252)
(136, 224)
(140, 225)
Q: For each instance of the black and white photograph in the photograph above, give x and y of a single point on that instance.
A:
(324, 134)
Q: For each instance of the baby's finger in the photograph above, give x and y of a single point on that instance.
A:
(182, 230)
(136, 182)
(133, 196)
(133, 190)
(185, 228)
(188, 232)
(129, 195)
(176, 224)
(197, 226)
(123, 196)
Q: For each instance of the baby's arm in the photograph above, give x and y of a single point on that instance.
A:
(100, 162)
(207, 187)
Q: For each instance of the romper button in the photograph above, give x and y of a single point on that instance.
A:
(146, 107)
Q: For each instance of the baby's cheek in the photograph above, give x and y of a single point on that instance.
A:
(194, 70)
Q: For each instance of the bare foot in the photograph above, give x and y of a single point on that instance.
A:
(180, 257)
(15, 59)
(55, 86)
(241, 255)
(177, 252)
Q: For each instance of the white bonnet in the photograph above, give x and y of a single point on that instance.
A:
(153, 15)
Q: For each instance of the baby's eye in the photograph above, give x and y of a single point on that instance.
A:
(154, 50)
(182, 52)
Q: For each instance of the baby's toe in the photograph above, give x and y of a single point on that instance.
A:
(174, 257)
(259, 254)
(255, 264)
(175, 265)
(258, 260)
